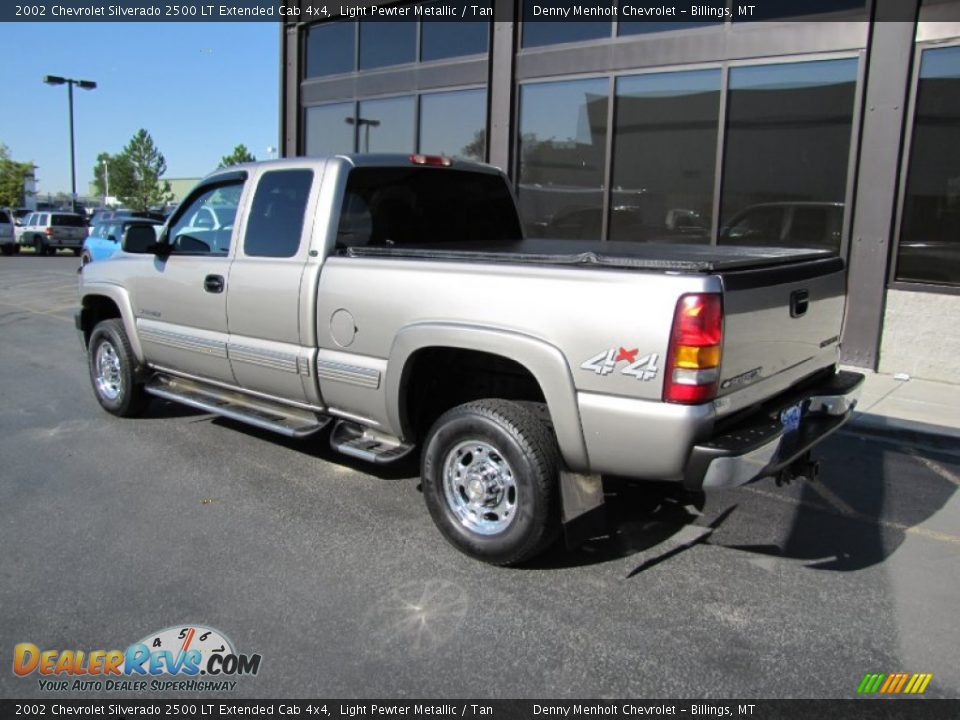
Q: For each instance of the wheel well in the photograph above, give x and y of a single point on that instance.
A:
(437, 379)
(96, 308)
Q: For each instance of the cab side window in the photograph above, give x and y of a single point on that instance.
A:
(204, 225)
(276, 214)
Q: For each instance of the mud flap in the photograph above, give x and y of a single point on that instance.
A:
(583, 512)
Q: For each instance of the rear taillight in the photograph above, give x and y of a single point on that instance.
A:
(693, 359)
(48, 231)
(434, 160)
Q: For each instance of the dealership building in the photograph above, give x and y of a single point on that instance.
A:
(810, 123)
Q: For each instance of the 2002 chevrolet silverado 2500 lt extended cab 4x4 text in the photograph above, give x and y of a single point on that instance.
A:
(396, 298)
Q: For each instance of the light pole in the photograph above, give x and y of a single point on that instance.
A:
(271, 152)
(106, 181)
(86, 85)
(367, 123)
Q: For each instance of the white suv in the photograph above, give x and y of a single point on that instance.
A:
(49, 231)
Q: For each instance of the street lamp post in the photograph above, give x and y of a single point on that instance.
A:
(86, 85)
(366, 123)
(106, 181)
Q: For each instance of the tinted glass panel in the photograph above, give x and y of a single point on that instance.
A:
(205, 225)
(69, 221)
(454, 124)
(788, 139)
(386, 125)
(665, 155)
(440, 40)
(330, 129)
(539, 31)
(777, 9)
(387, 43)
(276, 215)
(425, 206)
(930, 233)
(706, 12)
(563, 133)
(331, 49)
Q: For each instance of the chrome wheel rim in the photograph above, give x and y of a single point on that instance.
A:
(480, 487)
(109, 376)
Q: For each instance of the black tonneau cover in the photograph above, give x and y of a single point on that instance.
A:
(615, 254)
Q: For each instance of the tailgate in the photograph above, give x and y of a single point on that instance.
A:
(781, 324)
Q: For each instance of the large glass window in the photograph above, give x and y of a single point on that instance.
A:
(665, 155)
(276, 215)
(386, 126)
(439, 39)
(330, 129)
(542, 25)
(387, 43)
(563, 135)
(454, 124)
(331, 49)
(787, 146)
(930, 230)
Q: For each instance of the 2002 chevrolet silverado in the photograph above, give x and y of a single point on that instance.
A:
(396, 298)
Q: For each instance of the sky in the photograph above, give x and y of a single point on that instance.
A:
(198, 88)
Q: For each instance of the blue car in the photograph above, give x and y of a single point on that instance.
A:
(105, 236)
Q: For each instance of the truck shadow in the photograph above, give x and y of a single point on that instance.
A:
(867, 499)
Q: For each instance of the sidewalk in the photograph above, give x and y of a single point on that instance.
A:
(909, 408)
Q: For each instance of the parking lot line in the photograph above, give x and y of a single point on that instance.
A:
(52, 314)
(934, 467)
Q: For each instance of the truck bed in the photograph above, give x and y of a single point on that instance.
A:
(667, 257)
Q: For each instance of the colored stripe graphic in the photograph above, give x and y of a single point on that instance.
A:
(895, 683)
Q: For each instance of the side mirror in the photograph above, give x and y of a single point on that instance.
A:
(139, 238)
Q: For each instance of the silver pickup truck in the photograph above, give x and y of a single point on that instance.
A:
(395, 299)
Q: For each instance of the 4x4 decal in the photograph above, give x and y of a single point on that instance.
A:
(644, 368)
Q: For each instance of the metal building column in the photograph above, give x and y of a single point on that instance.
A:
(290, 110)
(500, 89)
(889, 55)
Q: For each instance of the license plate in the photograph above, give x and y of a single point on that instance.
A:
(790, 417)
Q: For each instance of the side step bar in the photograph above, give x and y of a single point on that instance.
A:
(366, 444)
(260, 413)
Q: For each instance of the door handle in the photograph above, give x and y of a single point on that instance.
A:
(799, 302)
(213, 283)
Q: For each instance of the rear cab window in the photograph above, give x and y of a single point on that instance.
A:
(277, 212)
(425, 206)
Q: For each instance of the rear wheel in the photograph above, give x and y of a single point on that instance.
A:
(39, 246)
(85, 259)
(75, 251)
(113, 370)
(490, 470)
(7, 249)
(51, 251)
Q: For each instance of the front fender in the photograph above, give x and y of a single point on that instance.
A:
(121, 298)
(544, 361)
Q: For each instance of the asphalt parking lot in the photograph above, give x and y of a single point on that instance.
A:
(111, 529)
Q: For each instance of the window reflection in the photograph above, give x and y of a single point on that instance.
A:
(328, 129)
(454, 124)
(385, 43)
(930, 234)
(385, 126)
(439, 39)
(537, 30)
(665, 154)
(563, 131)
(331, 49)
(787, 146)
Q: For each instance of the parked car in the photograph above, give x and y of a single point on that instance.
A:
(105, 215)
(104, 238)
(8, 244)
(395, 299)
(47, 232)
(786, 224)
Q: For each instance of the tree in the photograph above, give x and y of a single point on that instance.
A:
(13, 175)
(239, 155)
(138, 171)
(116, 167)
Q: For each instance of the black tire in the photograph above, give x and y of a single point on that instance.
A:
(75, 251)
(508, 437)
(119, 392)
(39, 246)
(85, 259)
(7, 249)
(16, 249)
(51, 251)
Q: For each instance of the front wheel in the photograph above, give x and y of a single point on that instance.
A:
(490, 470)
(113, 370)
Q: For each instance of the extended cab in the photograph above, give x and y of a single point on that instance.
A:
(395, 300)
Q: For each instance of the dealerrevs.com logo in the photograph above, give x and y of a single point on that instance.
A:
(176, 659)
